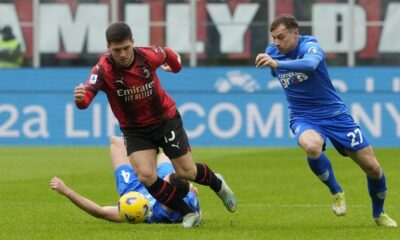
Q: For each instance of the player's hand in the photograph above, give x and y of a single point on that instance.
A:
(79, 93)
(58, 185)
(264, 60)
(193, 189)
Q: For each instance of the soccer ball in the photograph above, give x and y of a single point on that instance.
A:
(133, 207)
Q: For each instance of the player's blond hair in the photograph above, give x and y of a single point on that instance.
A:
(289, 21)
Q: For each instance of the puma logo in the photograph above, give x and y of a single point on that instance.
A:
(175, 145)
(120, 80)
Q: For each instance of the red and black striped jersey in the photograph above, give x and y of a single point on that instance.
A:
(135, 95)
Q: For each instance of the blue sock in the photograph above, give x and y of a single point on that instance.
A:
(323, 169)
(377, 191)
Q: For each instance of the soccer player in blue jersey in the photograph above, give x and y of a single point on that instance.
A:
(317, 113)
(127, 181)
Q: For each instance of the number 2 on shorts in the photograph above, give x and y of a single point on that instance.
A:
(353, 135)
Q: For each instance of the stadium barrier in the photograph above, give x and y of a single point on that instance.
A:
(221, 106)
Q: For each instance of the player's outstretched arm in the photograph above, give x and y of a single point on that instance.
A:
(109, 213)
(307, 64)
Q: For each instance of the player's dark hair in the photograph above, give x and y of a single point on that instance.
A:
(289, 21)
(118, 32)
(182, 186)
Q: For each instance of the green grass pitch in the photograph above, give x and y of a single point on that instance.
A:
(278, 196)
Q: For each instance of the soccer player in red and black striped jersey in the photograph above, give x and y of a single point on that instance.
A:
(148, 117)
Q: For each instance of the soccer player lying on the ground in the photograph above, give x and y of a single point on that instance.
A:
(148, 117)
(127, 181)
(317, 113)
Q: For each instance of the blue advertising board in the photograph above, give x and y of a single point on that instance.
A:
(221, 106)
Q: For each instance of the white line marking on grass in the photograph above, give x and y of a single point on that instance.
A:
(300, 205)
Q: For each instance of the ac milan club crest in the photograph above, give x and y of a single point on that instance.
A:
(146, 73)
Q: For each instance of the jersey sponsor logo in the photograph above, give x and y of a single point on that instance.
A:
(93, 79)
(290, 78)
(136, 93)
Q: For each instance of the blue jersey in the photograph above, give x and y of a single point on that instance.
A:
(304, 77)
(127, 181)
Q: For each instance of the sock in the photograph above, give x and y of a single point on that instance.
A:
(167, 195)
(323, 169)
(206, 177)
(377, 191)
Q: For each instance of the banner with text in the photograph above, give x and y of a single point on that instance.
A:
(71, 33)
(220, 106)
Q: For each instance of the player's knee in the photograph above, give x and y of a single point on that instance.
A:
(373, 171)
(147, 179)
(146, 176)
(312, 149)
(116, 140)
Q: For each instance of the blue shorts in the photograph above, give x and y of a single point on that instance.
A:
(342, 131)
(127, 180)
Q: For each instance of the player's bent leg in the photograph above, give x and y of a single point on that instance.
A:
(367, 161)
(226, 195)
(202, 174)
(118, 152)
(191, 220)
(184, 166)
(312, 143)
(145, 164)
(385, 221)
(339, 204)
(376, 184)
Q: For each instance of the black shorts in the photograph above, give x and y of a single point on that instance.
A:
(169, 135)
